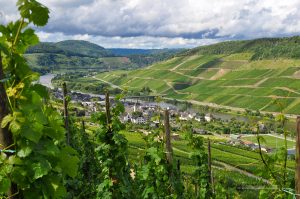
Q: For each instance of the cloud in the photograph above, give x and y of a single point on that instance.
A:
(145, 42)
(173, 20)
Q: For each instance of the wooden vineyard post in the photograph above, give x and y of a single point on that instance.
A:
(83, 126)
(297, 154)
(6, 138)
(210, 175)
(108, 116)
(178, 166)
(168, 138)
(66, 114)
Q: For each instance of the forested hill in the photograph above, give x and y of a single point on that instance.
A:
(264, 48)
(81, 55)
(71, 48)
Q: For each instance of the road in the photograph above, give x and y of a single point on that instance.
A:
(111, 84)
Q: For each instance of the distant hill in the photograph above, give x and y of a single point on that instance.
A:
(71, 48)
(129, 51)
(84, 48)
(73, 55)
(264, 48)
(261, 74)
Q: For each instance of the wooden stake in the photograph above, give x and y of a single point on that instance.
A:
(108, 116)
(209, 167)
(168, 138)
(178, 166)
(83, 126)
(66, 114)
(297, 154)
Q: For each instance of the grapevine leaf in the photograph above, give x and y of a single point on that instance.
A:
(69, 162)
(40, 168)
(30, 37)
(41, 90)
(2, 47)
(19, 175)
(4, 185)
(54, 186)
(33, 134)
(35, 12)
(36, 99)
(6, 120)
(14, 160)
(14, 127)
(24, 151)
(57, 134)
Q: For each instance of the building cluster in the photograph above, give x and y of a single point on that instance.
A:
(236, 140)
(138, 113)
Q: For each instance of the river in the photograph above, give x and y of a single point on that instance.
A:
(46, 80)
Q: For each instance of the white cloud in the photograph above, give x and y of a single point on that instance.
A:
(146, 42)
(178, 21)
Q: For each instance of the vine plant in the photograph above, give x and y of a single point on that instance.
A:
(39, 159)
(276, 163)
(114, 181)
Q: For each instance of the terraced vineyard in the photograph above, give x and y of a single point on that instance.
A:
(232, 80)
(233, 157)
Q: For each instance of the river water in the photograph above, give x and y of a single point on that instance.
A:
(46, 80)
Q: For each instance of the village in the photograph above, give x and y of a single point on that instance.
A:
(144, 116)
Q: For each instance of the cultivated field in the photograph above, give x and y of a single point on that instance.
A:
(229, 80)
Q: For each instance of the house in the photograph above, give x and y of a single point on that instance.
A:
(191, 115)
(199, 131)
(183, 117)
(138, 120)
(197, 118)
(208, 118)
(235, 137)
(127, 118)
(154, 124)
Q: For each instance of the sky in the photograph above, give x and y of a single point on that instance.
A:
(163, 23)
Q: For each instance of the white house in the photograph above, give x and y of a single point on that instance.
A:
(127, 118)
(183, 117)
(138, 120)
(208, 118)
(191, 115)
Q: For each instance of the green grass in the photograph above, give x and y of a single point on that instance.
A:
(271, 141)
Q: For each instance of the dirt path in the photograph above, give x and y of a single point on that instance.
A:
(230, 167)
(178, 65)
(111, 84)
(260, 82)
(287, 89)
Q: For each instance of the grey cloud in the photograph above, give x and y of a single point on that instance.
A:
(192, 20)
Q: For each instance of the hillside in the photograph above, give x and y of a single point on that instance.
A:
(130, 51)
(260, 74)
(80, 55)
(84, 48)
(71, 48)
